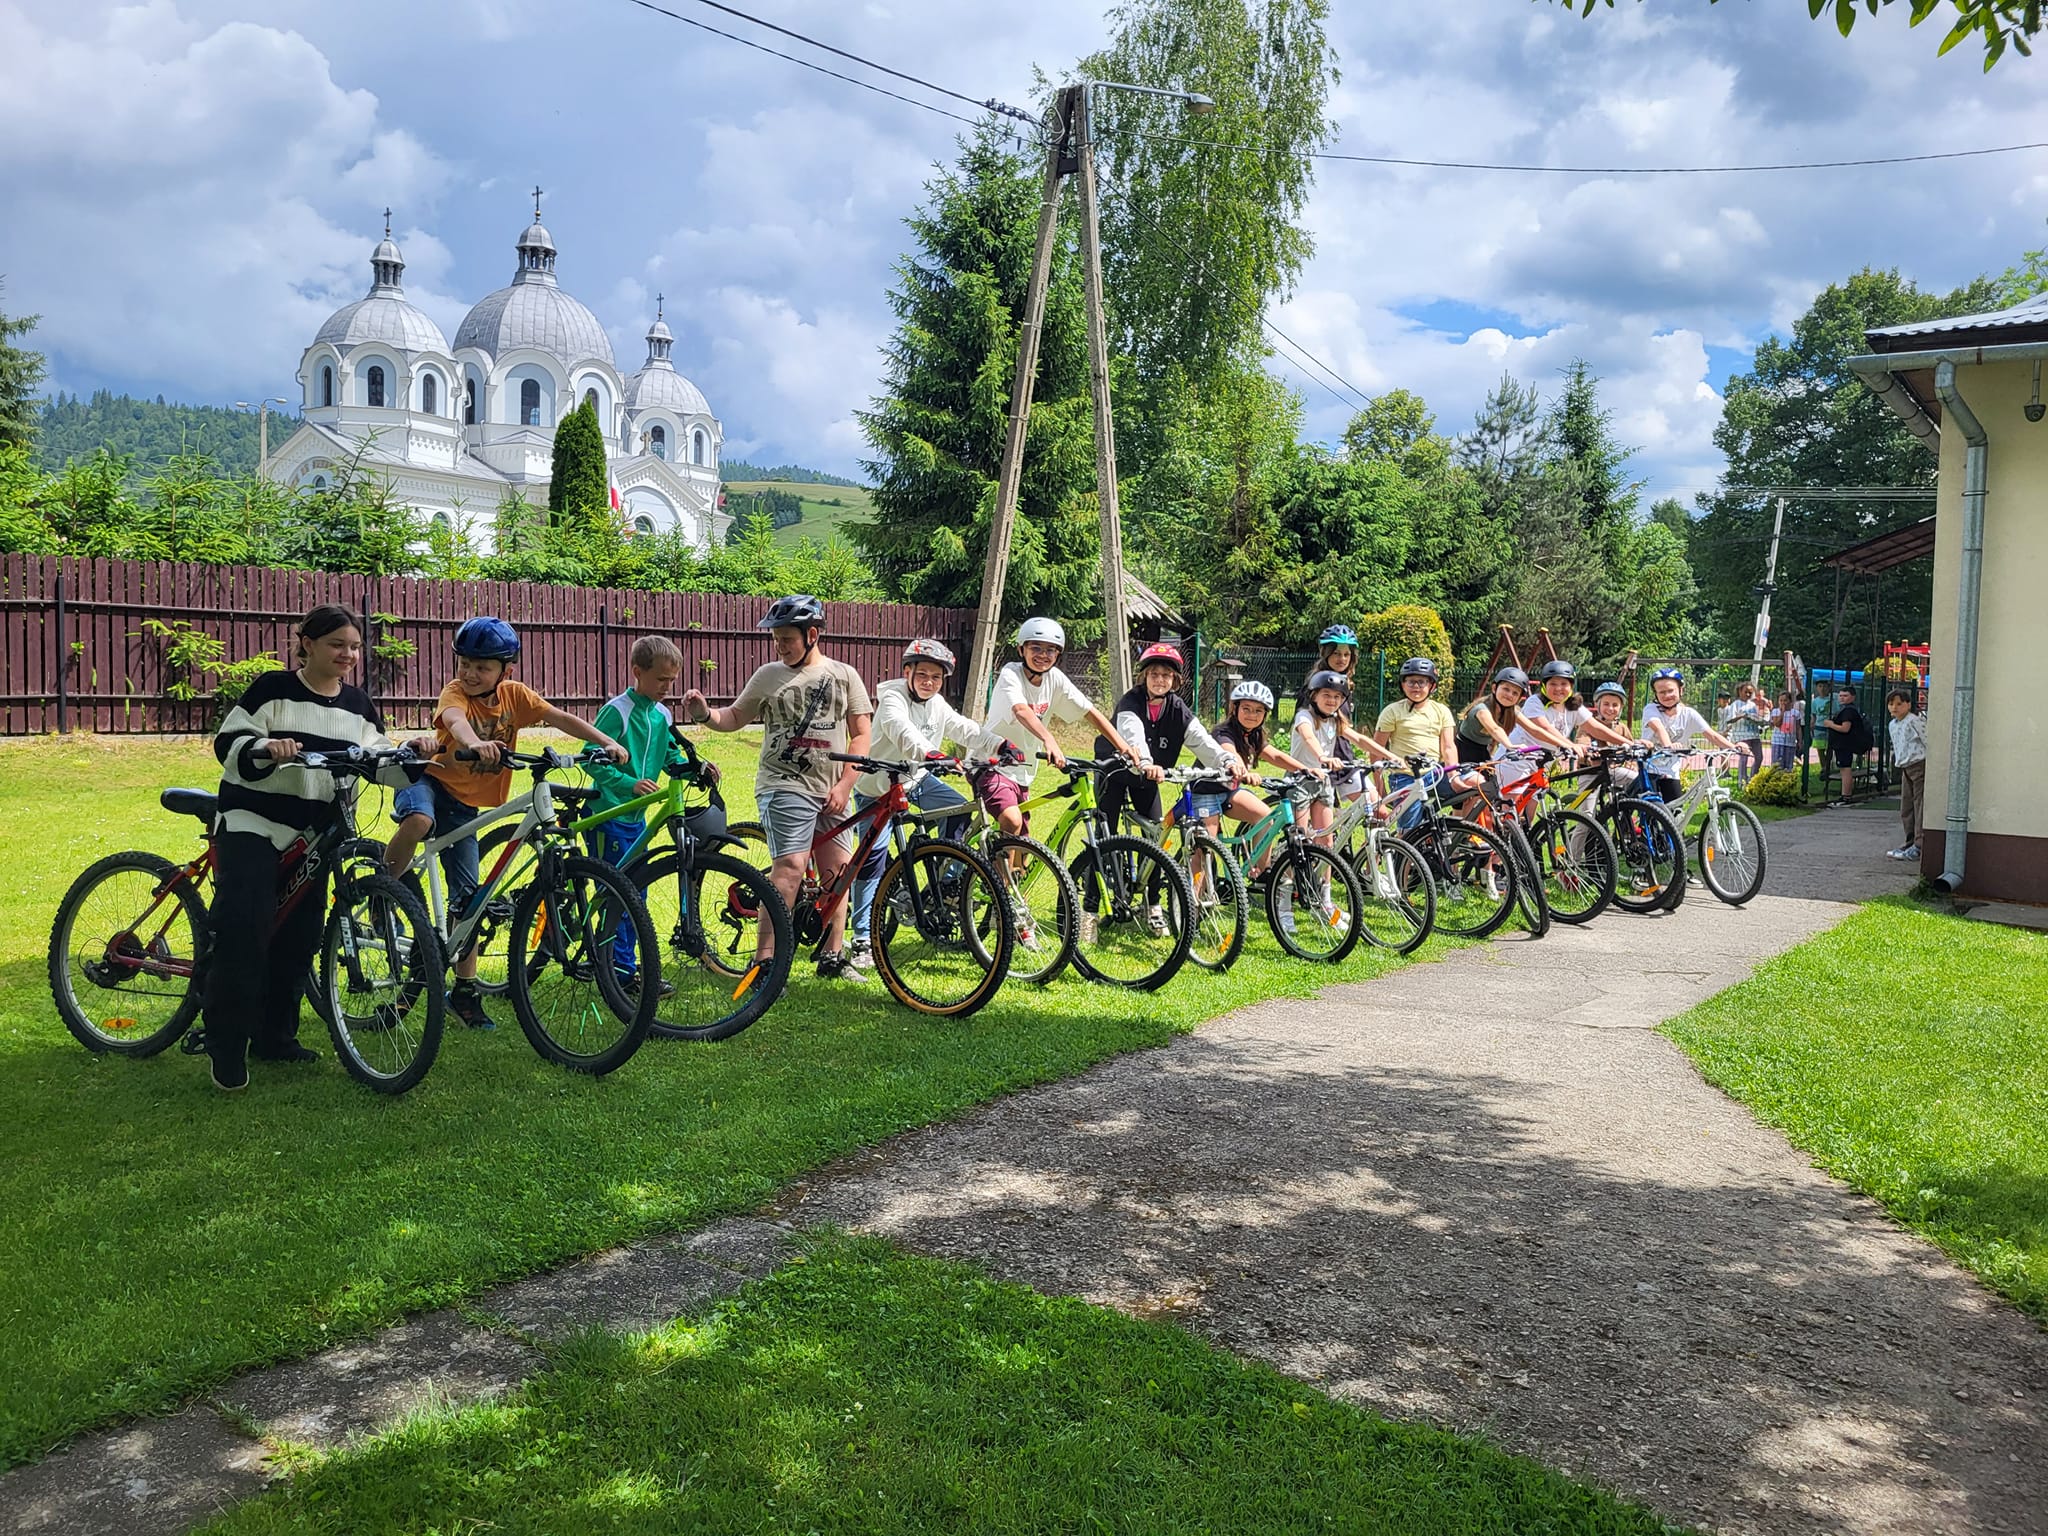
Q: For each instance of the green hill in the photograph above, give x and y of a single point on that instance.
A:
(151, 431)
(754, 474)
(826, 508)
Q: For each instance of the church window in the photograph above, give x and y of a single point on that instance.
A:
(469, 403)
(657, 441)
(376, 385)
(326, 385)
(697, 447)
(643, 525)
(590, 399)
(529, 402)
(319, 482)
(430, 395)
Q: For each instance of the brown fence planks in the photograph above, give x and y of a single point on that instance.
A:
(575, 639)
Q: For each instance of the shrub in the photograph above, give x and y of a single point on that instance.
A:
(1404, 630)
(1900, 669)
(1773, 786)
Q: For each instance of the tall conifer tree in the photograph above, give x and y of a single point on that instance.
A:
(579, 490)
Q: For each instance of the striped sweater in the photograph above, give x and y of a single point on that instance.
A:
(280, 801)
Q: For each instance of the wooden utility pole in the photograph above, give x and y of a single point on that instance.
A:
(1770, 586)
(1059, 160)
(1117, 637)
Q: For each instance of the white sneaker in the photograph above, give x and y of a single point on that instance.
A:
(1155, 921)
(1091, 927)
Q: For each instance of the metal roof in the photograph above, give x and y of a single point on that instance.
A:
(1141, 602)
(2026, 314)
(533, 312)
(1885, 551)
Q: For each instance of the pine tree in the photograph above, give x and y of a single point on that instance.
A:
(21, 371)
(937, 431)
(579, 489)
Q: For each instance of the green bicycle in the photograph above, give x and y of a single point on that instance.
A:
(1223, 908)
(1311, 893)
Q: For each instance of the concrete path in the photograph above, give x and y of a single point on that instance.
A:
(1485, 1194)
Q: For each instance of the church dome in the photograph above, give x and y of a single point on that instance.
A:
(657, 385)
(532, 311)
(383, 315)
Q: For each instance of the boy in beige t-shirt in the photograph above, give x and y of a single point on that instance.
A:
(808, 706)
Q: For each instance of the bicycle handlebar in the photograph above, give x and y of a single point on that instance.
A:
(356, 762)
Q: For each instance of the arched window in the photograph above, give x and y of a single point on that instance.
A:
(319, 482)
(430, 395)
(376, 385)
(643, 525)
(529, 402)
(469, 402)
(440, 520)
(590, 399)
(698, 446)
(326, 384)
(657, 441)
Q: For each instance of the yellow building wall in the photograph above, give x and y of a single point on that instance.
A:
(2011, 730)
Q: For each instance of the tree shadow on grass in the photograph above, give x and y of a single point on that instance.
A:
(1685, 1310)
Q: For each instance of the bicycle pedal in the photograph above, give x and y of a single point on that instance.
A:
(194, 1043)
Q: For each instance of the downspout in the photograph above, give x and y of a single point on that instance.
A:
(1964, 688)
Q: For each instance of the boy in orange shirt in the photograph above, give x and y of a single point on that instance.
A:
(482, 711)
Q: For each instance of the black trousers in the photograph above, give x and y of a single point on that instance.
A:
(254, 978)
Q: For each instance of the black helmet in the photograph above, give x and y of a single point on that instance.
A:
(1513, 675)
(1419, 666)
(1328, 679)
(798, 611)
(1558, 668)
(488, 638)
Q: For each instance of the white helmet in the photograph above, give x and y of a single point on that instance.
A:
(1046, 630)
(1256, 692)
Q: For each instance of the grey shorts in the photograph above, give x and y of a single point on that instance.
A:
(793, 819)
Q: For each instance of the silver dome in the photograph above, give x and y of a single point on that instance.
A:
(659, 385)
(534, 314)
(382, 317)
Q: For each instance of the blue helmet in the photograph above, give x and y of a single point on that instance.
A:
(1613, 690)
(1339, 634)
(488, 638)
(1673, 673)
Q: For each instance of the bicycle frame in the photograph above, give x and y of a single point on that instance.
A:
(534, 810)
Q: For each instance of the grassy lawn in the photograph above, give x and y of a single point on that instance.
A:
(159, 1236)
(827, 508)
(1907, 1050)
(859, 1390)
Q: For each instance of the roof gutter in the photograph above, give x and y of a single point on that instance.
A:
(1876, 374)
(1880, 370)
(1962, 720)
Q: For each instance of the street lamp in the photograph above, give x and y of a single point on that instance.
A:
(262, 408)
(1070, 149)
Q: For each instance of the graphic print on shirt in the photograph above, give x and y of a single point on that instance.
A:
(791, 716)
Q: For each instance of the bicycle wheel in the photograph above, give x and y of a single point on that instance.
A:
(1731, 849)
(1312, 900)
(381, 971)
(941, 933)
(1222, 901)
(706, 916)
(592, 1004)
(127, 954)
(1530, 900)
(1043, 902)
(1396, 897)
(1137, 901)
(1475, 877)
(1650, 855)
(1578, 864)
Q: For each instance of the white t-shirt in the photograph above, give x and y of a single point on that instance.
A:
(1052, 698)
(1681, 725)
(1323, 733)
(1564, 721)
(906, 728)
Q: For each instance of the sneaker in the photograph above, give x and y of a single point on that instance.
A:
(1910, 852)
(859, 952)
(1091, 928)
(467, 1004)
(230, 1077)
(630, 980)
(1155, 922)
(839, 966)
(290, 1051)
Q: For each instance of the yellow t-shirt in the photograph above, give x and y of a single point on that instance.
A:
(1415, 732)
(494, 716)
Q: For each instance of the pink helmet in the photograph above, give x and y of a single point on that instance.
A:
(1160, 651)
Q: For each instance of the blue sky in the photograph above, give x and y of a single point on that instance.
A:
(188, 187)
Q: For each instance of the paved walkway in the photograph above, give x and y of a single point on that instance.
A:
(1479, 1192)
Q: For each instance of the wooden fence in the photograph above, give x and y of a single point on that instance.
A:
(75, 655)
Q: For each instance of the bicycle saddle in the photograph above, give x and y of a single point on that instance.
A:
(190, 802)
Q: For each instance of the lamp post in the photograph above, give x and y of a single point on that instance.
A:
(262, 408)
(1069, 151)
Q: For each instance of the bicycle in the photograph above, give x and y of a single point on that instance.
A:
(1730, 841)
(940, 925)
(1216, 883)
(1649, 853)
(559, 914)
(1301, 878)
(133, 933)
(1575, 861)
(1397, 893)
(1486, 807)
(1473, 869)
(706, 906)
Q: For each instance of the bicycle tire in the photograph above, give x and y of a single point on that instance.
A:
(1743, 831)
(1396, 896)
(718, 944)
(1461, 857)
(1578, 863)
(929, 910)
(1645, 839)
(1222, 901)
(1121, 872)
(126, 1034)
(578, 932)
(1530, 899)
(1045, 943)
(1305, 867)
(386, 1045)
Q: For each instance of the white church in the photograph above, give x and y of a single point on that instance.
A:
(458, 430)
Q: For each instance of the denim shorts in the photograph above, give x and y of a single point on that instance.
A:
(1210, 805)
(459, 860)
(793, 820)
